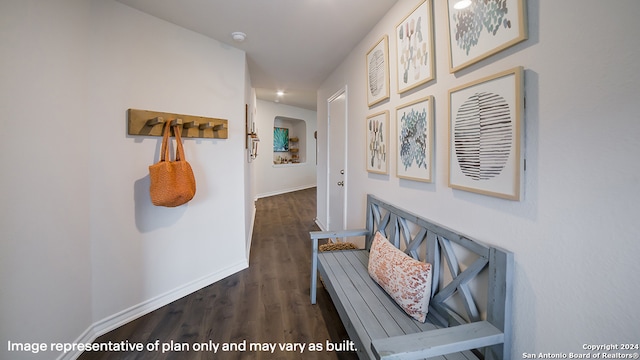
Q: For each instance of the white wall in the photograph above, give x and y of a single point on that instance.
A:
(83, 249)
(45, 248)
(249, 167)
(276, 179)
(575, 233)
(158, 249)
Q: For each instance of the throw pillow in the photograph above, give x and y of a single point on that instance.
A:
(405, 279)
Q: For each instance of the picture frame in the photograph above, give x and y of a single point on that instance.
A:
(377, 65)
(482, 29)
(246, 125)
(415, 140)
(378, 143)
(485, 135)
(280, 139)
(414, 48)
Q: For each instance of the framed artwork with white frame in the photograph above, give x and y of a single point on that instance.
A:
(378, 143)
(481, 28)
(377, 66)
(414, 48)
(415, 140)
(485, 135)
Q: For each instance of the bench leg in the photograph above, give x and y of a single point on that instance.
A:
(314, 270)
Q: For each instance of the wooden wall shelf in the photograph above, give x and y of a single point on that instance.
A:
(151, 123)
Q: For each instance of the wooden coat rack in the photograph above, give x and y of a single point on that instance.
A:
(151, 123)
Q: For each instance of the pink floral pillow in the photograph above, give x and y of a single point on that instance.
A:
(406, 280)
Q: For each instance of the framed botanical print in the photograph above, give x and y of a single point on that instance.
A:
(378, 72)
(414, 48)
(280, 139)
(485, 135)
(378, 143)
(481, 28)
(414, 132)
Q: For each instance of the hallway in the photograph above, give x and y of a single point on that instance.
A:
(268, 303)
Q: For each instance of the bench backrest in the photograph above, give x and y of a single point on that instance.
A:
(466, 273)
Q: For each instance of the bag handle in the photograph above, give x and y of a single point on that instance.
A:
(164, 151)
(179, 149)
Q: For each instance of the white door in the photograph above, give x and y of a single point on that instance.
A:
(337, 155)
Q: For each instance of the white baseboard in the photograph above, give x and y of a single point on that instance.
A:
(284, 191)
(320, 225)
(115, 321)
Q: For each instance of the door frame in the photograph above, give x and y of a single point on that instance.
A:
(342, 91)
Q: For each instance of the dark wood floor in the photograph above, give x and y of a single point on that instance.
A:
(266, 303)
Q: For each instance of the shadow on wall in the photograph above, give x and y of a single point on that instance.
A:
(148, 216)
(525, 313)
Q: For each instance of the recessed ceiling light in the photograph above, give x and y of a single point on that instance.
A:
(280, 93)
(462, 4)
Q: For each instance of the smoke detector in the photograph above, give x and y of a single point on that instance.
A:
(238, 36)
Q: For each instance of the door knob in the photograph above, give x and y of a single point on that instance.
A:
(340, 183)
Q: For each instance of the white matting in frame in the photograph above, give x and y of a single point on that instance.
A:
(378, 143)
(414, 131)
(485, 135)
(414, 48)
(484, 28)
(378, 72)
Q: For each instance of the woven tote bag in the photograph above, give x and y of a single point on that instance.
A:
(172, 182)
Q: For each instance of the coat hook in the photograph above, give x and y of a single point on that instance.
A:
(151, 123)
(207, 125)
(191, 124)
(219, 127)
(155, 121)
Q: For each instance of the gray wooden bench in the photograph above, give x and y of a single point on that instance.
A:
(470, 309)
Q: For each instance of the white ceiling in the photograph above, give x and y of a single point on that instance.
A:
(291, 45)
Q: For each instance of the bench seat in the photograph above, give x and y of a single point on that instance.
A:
(372, 314)
(470, 306)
